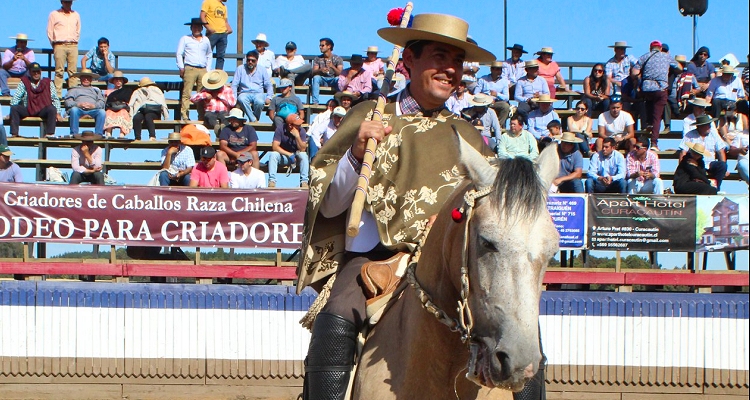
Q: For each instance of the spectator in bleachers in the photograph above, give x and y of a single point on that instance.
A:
(702, 69)
(616, 124)
(322, 133)
(289, 148)
(549, 70)
(9, 171)
(514, 68)
(34, 97)
(3, 135)
(215, 18)
(116, 106)
(743, 106)
(266, 58)
(63, 32)
(355, 79)
(237, 138)
(285, 103)
(581, 125)
(724, 91)
(738, 148)
(596, 90)
(292, 66)
(495, 85)
(540, 117)
(517, 142)
(216, 99)
(247, 176)
(529, 88)
(101, 61)
(643, 169)
(146, 104)
(85, 99)
(555, 130)
(715, 148)
(326, 69)
(684, 87)
(15, 62)
(193, 60)
(86, 160)
(459, 100)
(376, 66)
(177, 162)
(345, 99)
(209, 173)
(632, 102)
(571, 165)
(698, 106)
(654, 69)
(618, 67)
(324, 117)
(607, 170)
(480, 115)
(690, 176)
(252, 86)
(470, 74)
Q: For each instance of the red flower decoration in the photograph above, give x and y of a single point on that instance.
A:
(457, 215)
(395, 16)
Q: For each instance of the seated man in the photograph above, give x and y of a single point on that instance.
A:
(356, 79)
(101, 61)
(34, 98)
(285, 103)
(85, 99)
(517, 142)
(618, 67)
(616, 124)
(496, 86)
(16, 61)
(208, 173)
(481, 116)
(289, 147)
(216, 99)
(292, 66)
(9, 171)
(177, 161)
(697, 107)
(571, 165)
(237, 138)
(86, 160)
(715, 148)
(724, 91)
(459, 100)
(529, 88)
(540, 117)
(320, 134)
(643, 169)
(326, 69)
(247, 176)
(607, 170)
(252, 86)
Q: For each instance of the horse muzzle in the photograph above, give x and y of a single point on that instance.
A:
(492, 368)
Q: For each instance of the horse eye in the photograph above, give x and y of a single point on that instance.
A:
(487, 245)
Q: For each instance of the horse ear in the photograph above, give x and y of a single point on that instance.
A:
(548, 164)
(479, 169)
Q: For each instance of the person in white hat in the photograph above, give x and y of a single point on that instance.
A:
(459, 100)
(549, 70)
(64, 32)
(215, 18)
(15, 61)
(724, 91)
(483, 117)
(529, 88)
(618, 67)
(375, 65)
(247, 176)
(252, 86)
(237, 138)
(543, 115)
(697, 107)
(497, 86)
(215, 99)
(571, 165)
(322, 133)
(146, 105)
(265, 56)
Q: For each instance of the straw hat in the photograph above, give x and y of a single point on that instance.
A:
(481, 100)
(545, 50)
(87, 136)
(174, 136)
(145, 81)
(22, 36)
(86, 72)
(699, 102)
(261, 38)
(531, 64)
(544, 98)
(704, 120)
(680, 59)
(439, 28)
(214, 79)
(728, 69)
(372, 49)
(622, 44)
(496, 64)
(236, 113)
(119, 74)
(698, 148)
(570, 137)
(345, 93)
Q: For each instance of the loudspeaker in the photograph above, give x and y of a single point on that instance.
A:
(692, 7)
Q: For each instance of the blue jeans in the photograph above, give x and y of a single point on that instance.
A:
(571, 186)
(275, 159)
(252, 104)
(742, 165)
(165, 181)
(594, 186)
(4, 136)
(75, 113)
(717, 170)
(219, 46)
(318, 81)
(4, 75)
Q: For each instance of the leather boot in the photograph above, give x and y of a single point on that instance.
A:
(330, 358)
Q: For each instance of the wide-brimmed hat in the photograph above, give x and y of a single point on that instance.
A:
(236, 113)
(194, 21)
(496, 64)
(517, 47)
(118, 74)
(545, 50)
(371, 49)
(284, 83)
(294, 119)
(5, 150)
(174, 136)
(340, 111)
(531, 64)
(481, 100)
(704, 120)
(214, 79)
(87, 136)
(622, 44)
(699, 102)
(145, 81)
(728, 69)
(261, 38)
(545, 98)
(22, 36)
(698, 148)
(86, 72)
(680, 59)
(356, 58)
(439, 28)
(570, 137)
(345, 93)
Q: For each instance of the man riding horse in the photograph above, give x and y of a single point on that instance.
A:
(413, 174)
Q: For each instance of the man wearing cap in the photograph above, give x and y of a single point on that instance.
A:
(618, 67)
(460, 99)
(607, 170)
(63, 32)
(724, 91)
(252, 86)
(237, 138)
(289, 147)
(540, 117)
(654, 72)
(193, 60)
(209, 173)
(495, 85)
(514, 68)
(101, 61)
(322, 133)
(86, 160)
(643, 169)
(266, 58)
(247, 176)
(285, 103)
(698, 106)
(9, 171)
(517, 142)
(85, 99)
(214, 17)
(215, 99)
(355, 79)
(715, 147)
(15, 61)
(292, 66)
(571, 165)
(177, 161)
(529, 88)
(34, 97)
(616, 124)
(326, 69)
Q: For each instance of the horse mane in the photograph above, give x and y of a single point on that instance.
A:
(518, 189)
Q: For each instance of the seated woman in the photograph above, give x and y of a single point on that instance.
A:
(581, 125)
(691, 177)
(116, 106)
(549, 70)
(596, 90)
(147, 103)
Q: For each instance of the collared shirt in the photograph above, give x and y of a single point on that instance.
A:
(523, 145)
(526, 88)
(656, 71)
(488, 120)
(322, 133)
(538, 121)
(267, 60)
(361, 82)
(731, 90)
(713, 143)
(499, 85)
(63, 27)
(406, 104)
(513, 71)
(471, 76)
(618, 71)
(322, 62)
(375, 67)
(194, 52)
(18, 66)
(456, 105)
(613, 166)
(20, 97)
(569, 162)
(182, 160)
(96, 63)
(258, 81)
(650, 164)
(216, 15)
(79, 163)
(84, 94)
(221, 101)
(702, 73)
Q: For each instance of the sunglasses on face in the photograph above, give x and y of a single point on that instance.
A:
(598, 70)
(637, 147)
(581, 108)
(703, 54)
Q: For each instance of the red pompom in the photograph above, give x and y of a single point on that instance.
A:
(395, 16)
(457, 215)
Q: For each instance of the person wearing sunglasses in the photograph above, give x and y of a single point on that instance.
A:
(643, 169)
(596, 90)
(703, 70)
(581, 124)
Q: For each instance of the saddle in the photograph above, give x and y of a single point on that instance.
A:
(381, 280)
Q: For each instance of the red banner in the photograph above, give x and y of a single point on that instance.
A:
(152, 216)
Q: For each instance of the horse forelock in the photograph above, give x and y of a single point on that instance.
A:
(518, 191)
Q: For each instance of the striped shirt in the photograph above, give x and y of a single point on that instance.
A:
(650, 164)
(221, 100)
